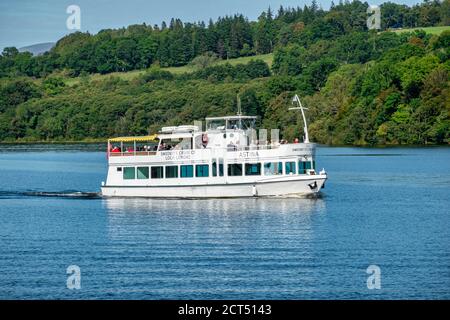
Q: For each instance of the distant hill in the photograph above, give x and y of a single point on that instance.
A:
(38, 49)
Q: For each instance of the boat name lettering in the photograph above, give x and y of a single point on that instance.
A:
(248, 154)
(177, 155)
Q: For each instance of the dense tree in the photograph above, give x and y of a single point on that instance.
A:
(362, 87)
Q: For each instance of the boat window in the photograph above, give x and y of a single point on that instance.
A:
(142, 173)
(273, 168)
(235, 169)
(129, 173)
(221, 167)
(233, 124)
(119, 169)
(171, 172)
(303, 166)
(176, 144)
(214, 169)
(290, 167)
(157, 172)
(218, 124)
(202, 170)
(187, 171)
(253, 169)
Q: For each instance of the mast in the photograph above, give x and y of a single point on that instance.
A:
(301, 108)
(239, 113)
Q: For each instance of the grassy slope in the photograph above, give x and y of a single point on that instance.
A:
(431, 30)
(268, 58)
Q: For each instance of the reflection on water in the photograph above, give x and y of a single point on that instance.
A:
(126, 215)
(214, 206)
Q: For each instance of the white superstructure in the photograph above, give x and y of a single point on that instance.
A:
(224, 160)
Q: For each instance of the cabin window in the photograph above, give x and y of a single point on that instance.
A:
(303, 166)
(235, 169)
(214, 169)
(202, 170)
(119, 169)
(187, 171)
(157, 172)
(273, 168)
(171, 172)
(175, 144)
(142, 173)
(129, 173)
(253, 169)
(290, 167)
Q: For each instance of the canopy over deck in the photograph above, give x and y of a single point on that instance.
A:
(133, 139)
(238, 117)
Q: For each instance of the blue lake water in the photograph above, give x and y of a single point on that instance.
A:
(388, 207)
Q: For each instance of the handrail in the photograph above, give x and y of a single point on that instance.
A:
(229, 149)
(132, 153)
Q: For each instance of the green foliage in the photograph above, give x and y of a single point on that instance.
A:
(252, 70)
(413, 71)
(178, 43)
(361, 87)
(204, 60)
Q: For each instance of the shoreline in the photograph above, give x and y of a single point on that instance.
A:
(104, 141)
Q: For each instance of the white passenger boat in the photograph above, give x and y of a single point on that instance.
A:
(225, 160)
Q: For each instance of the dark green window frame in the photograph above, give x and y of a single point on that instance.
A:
(142, 173)
(157, 172)
(253, 169)
(202, 170)
(289, 167)
(303, 166)
(214, 169)
(187, 171)
(129, 173)
(171, 172)
(235, 170)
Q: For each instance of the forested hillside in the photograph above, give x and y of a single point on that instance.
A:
(362, 87)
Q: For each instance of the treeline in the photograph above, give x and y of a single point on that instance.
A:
(367, 88)
(177, 43)
(395, 94)
(361, 87)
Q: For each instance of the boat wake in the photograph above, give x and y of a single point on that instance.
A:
(299, 196)
(56, 194)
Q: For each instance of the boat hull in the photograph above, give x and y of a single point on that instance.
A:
(287, 186)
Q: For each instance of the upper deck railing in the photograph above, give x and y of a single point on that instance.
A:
(133, 153)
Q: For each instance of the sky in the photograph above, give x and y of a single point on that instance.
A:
(27, 22)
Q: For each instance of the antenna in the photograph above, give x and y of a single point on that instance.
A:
(300, 107)
(239, 112)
